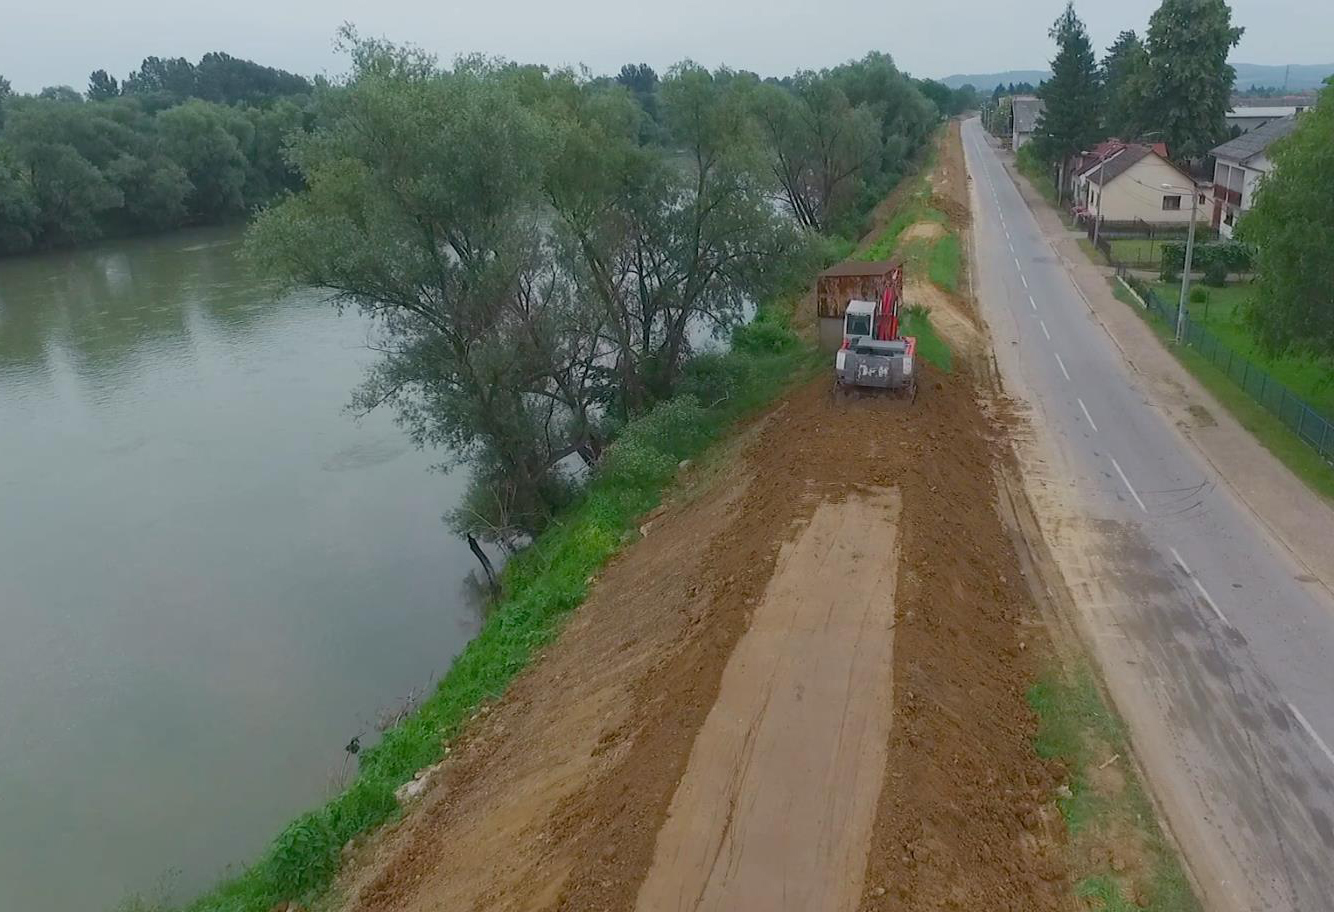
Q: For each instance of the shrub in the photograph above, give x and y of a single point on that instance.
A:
(1215, 273)
(1198, 295)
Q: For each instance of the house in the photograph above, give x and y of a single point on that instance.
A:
(1136, 185)
(1239, 164)
(1025, 110)
(1246, 118)
(1104, 149)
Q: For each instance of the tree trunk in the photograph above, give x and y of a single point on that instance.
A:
(485, 561)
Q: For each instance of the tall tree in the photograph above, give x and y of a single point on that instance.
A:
(102, 86)
(1123, 80)
(1189, 81)
(1071, 120)
(1292, 225)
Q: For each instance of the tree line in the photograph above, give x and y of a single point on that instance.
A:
(171, 144)
(542, 252)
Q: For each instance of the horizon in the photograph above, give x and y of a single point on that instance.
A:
(39, 48)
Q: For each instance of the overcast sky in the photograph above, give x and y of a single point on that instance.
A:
(48, 42)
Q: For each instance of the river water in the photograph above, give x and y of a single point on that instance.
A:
(211, 575)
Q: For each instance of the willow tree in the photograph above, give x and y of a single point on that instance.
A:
(422, 209)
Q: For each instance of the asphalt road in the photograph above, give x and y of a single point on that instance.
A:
(1218, 652)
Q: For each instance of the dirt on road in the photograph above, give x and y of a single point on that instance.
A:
(839, 570)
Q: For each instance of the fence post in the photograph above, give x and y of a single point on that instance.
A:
(1324, 432)
(1264, 381)
(1282, 401)
(1245, 373)
(1301, 417)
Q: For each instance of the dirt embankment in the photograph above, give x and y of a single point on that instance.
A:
(557, 797)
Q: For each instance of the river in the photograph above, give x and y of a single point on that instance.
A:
(212, 576)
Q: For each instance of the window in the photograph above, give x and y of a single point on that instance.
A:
(858, 325)
(1171, 202)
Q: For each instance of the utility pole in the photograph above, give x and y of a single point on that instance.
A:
(1097, 218)
(1190, 250)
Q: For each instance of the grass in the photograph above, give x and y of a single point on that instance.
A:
(542, 585)
(945, 263)
(1093, 253)
(1106, 816)
(1273, 434)
(1137, 251)
(917, 323)
(1038, 174)
(916, 208)
(1224, 315)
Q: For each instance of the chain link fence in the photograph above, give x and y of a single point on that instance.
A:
(1297, 414)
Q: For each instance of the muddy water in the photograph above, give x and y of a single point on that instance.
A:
(211, 575)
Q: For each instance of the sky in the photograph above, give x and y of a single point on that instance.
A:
(55, 42)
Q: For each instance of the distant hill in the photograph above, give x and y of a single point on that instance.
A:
(988, 81)
(1300, 76)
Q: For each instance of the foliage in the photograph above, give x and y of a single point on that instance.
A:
(1124, 71)
(1200, 295)
(1072, 97)
(930, 346)
(1215, 273)
(1232, 256)
(832, 136)
(1292, 224)
(218, 77)
(1188, 84)
(72, 171)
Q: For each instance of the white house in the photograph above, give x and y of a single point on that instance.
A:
(1239, 164)
(1135, 184)
(1024, 114)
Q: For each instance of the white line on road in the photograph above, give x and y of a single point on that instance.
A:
(1320, 742)
(1063, 370)
(1017, 266)
(1083, 408)
(1031, 303)
(1024, 280)
(1043, 324)
(1199, 587)
(1116, 465)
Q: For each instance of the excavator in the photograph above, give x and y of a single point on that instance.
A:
(873, 353)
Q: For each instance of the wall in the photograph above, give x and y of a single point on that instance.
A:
(1138, 194)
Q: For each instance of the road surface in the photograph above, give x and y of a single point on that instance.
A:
(1217, 650)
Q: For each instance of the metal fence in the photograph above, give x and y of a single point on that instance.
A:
(1297, 414)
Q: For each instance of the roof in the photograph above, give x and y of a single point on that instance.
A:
(1117, 165)
(1268, 111)
(860, 268)
(1026, 110)
(1248, 145)
(856, 307)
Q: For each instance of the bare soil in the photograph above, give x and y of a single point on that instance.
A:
(558, 798)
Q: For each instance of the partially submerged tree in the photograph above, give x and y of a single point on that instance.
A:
(1292, 226)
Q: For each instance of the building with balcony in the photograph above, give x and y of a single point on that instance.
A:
(1239, 166)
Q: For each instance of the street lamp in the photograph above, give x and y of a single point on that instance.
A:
(1190, 249)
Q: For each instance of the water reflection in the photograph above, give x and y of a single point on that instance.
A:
(209, 573)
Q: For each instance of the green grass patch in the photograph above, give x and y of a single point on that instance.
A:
(1223, 313)
(1273, 434)
(930, 346)
(946, 262)
(916, 208)
(541, 586)
(1037, 172)
(1107, 814)
(1144, 253)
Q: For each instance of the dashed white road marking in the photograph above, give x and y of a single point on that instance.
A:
(1063, 370)
(1089, 418)
(1031, 303)
(1124, 480)
(1017, 266)
(1199, 587)
(1319, 741)
(1043, 324)
(1024, 280)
